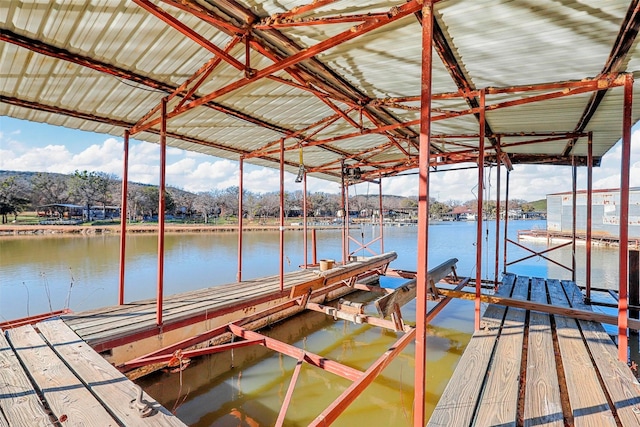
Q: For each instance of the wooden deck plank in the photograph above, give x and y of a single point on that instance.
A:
(65, 395)
(499, 401)
(19, 401)
(457, 404)
(588, 402)
(107, 325)
(542, 405)
(622, 386)
(112, 388)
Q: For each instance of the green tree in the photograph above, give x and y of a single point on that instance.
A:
(88, 188)
(13, 198)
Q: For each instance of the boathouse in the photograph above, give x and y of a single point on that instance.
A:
(605, 208)
(348, 91)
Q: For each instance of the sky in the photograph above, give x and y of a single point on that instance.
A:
(37, 147)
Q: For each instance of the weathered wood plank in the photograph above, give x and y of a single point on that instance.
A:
(621, 384)
(403, 294)
(112, 388)
(458, 402)
(65, 395)
(588, 402)
(19, 401)
(542, 406)
(499, 402)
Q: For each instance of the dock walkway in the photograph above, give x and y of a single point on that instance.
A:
(535, 369)
(118, 326)
(49, 376)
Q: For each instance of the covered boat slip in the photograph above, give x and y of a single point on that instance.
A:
(111, 330)
(49, 376)
(531, 368)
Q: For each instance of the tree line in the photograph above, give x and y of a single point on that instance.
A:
(27, 191)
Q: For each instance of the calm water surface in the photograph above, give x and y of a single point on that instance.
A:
(249, 384)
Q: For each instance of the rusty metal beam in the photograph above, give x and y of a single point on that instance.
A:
(617, 59)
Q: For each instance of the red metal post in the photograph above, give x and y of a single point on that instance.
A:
(495, 273)
(123, 216)
(304, 219)
(161, 208)
(480, 206)
(506, 223)
(625, 161)
(342, 208)
(282, 214)
(347, 232)
(574, 213)
(589, 212)
(420, 374)
(381, 216)
(314, 247)
(240, 216)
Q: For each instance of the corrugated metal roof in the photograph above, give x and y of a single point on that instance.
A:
(103, 65)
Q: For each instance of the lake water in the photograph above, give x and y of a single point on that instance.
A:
(248, 385)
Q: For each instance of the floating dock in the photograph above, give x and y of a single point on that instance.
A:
(114, 330)
(49, 376)
(531, 368)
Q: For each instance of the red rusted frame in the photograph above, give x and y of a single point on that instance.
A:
(305, 229)
(188, 32)
(574, 213)
(402, 11)
(192, 353)
(420, 373)
(289, 394)
(281, 261)
(625, 160)
(479, 218)
(589, 214)
(540, 254)
(506, 223)
(298, 10)
(347, 223)
(328, 365)
(304, 22)
(381, 216)
(361, 246)
(314, 247)
(240, 215)
(205, 15)
(345, 214)
(31, 320)
(123, 216)
(161, 209)
(338, 406)
(497, 247)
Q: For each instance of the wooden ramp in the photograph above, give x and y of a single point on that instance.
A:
(49, 376)
(535, 369)
(113, 326)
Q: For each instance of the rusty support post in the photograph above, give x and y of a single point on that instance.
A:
(497, 258)
(420, 374)
(304, 219)
(314, 247)
(506, 223)
(240, 216)
(574, 214)
(282, 214)
(589, 214)
(625, 160)
(161, 209)
(479, 216)
(123, 216)
(347, 232)
(342, 209)
(381, 216)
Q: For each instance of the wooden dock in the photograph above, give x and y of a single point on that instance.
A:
(113, 330)
(535, 369)
(49, 376)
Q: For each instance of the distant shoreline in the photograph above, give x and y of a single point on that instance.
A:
(91, 230)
